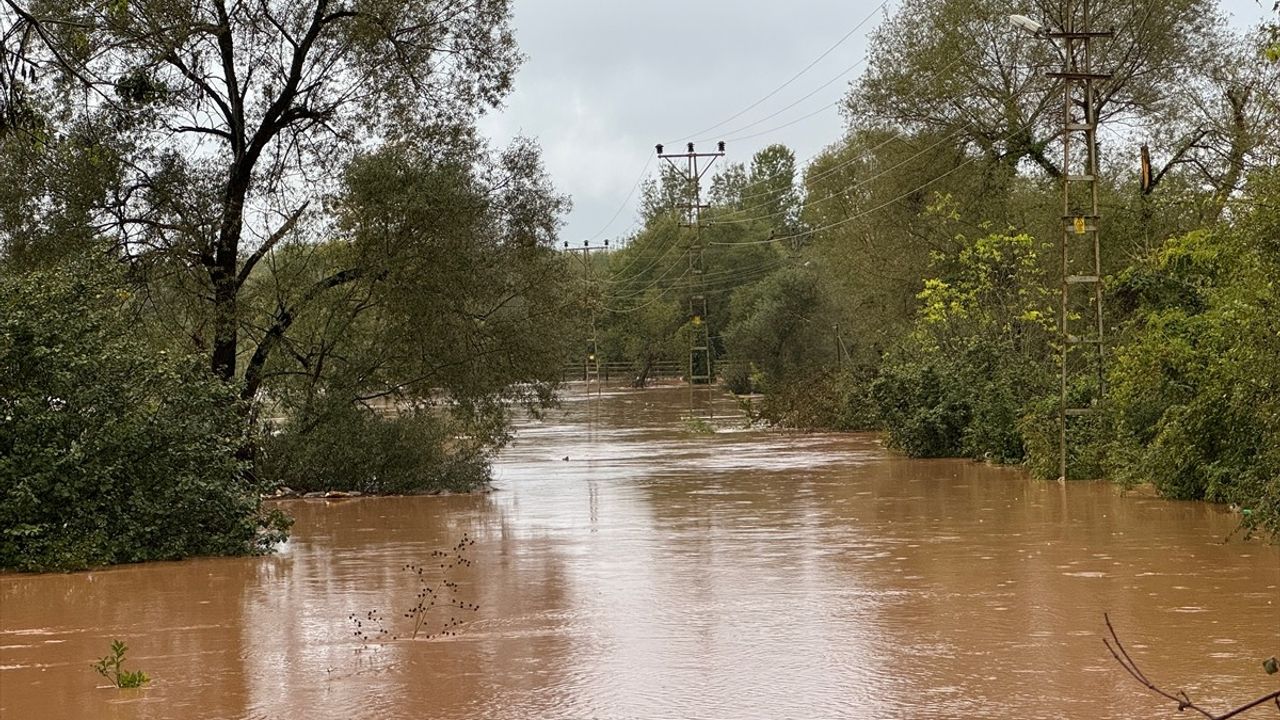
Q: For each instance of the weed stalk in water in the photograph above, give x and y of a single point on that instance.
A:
(435, 590)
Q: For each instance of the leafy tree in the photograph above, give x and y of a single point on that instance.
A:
(240, 116)
(450, 312)
(881, 205)
(767, 196)
(110, 451)
(1224, 127)
(956, 68)
(774, 324)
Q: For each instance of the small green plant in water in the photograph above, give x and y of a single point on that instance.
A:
(109, 668)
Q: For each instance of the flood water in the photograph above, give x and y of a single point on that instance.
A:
(628, 567)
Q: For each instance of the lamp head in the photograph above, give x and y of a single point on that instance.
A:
(1023, 22)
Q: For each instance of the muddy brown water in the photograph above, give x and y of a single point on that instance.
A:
(658, 573)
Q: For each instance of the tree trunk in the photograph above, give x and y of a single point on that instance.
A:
(226, 288)
(642, 377)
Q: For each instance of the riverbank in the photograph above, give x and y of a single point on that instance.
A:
(286, 493)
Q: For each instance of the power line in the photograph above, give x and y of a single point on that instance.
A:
(839, 193)
(877, 208)
(622, 206)
(811, 159)
(771, 130)
(793, 78)
(811, 93)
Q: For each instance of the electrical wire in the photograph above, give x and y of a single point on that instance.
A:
(644, 171)
(778, 112)
(842, 191)
(793, 78)
(656, 259)
(802, 118)
(877, 208)
(811, 159)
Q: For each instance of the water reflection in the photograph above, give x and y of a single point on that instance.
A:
(658, 573)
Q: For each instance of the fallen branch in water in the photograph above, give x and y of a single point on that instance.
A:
(1184, 702)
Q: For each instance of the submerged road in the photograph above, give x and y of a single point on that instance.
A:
(629, 567)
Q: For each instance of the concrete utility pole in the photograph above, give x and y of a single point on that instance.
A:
(693, 166)
(590, 363)
(1081, 301)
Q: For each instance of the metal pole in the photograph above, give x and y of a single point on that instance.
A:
(1078, 90)
(700, 363)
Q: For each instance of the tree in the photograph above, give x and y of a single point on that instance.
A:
(451, 312)
(957, 68)
(773, 324)
(767, 195)
(1193, 398)
(238, 117)
(978, 353)
(881, 205)
(110, 451)
(1224, 128)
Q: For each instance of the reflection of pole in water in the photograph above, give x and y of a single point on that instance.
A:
(593, 503)
(593, 412)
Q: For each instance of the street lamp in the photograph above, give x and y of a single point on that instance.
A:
(1023, 22)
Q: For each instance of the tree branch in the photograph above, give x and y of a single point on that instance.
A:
(1127, 662)
(1176, 159)
(253, 373)
(270, 242)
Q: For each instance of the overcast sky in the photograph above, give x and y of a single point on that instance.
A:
(605, 80)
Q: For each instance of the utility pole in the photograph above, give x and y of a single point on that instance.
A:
(591, 362)
(1081, 301)
(693, 165)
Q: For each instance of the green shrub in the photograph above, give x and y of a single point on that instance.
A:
(345, 446)
(922, 413)
(978, 353)
(822, 400)
(112, 451)
(1194, 400)
(110, 668)
(1087, 437)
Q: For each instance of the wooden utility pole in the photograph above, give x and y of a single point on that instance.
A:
(693, 165)
(1081, 302)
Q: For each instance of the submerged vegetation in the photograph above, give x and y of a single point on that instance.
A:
(113, 449)
(110, 668)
